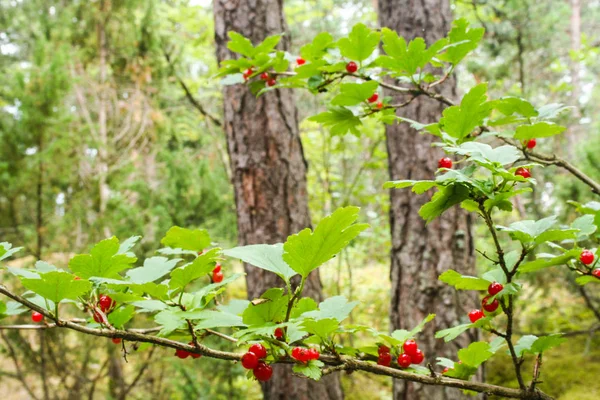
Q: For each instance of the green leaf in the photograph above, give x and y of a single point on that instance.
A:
(304, 305)
(57, 286)
(239, 44)
(336, 307)
(312, 369)
(103, 261)
(322, 328)
(585, 279)
(538, 130)
(546, 343)
(464, 40)
(403, 59)
(122, 315)
(2, 309)
(452, 333)
(318, 48)
(463, 282)
(482, 152)
(6, 250)
(128, 245)
(586, 226)
(476, 354)
(308, 250)
(272, 308)
(354, 93)
(442, 200)
(515, 105)
(360, 44)
(217, 319)
(265, 256)
(460, 121)
(528, 230)
(202, 265)
(186, 239)
(542, 263)
(170, 320)
(154, 268)
(524, 343)
(340, 120)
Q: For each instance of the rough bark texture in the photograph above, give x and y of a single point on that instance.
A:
(420, 253)
(268, 170)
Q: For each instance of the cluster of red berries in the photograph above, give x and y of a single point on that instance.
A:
(248, 73)
(253, 360)
(587, 257)
(411, 355)
(106, 304)
(217, 275)
(445, 162)
(374, 99)
(493, 289)
(305, 355)
(179, 353)
(270, 80)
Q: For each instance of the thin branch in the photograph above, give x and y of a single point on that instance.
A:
(349, 363)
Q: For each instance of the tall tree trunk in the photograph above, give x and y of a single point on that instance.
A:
(268, 170)
(420, 252)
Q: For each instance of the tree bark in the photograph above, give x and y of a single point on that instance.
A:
(268, 171)
(420, 252)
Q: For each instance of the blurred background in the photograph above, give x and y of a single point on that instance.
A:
(126, 138)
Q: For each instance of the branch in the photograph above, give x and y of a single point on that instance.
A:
(339, 362)
(188, 93)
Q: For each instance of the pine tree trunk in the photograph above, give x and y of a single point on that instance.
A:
(420, 253)
(268, 171)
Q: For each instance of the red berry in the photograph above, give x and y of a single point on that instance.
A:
(586, 257)
(418, 357)
(383, 349)
(116, 340)
(531, 143)
(379, 105)
(475, 315)
(300, 61)
(351, 67)
(524, 172)
(373, 98)
(495, 288)
(445, 370)
(596, 273)
(489, 307)
(271, 82)
(410, 347)
(249, 360)
(301, 354)
(217, 268)
(194, 355)
(76, 278)
(404, 360)
(259, 350)
(36, 316)
(264, 76)
(312, 354)
(106, 303)
(98, 317)
(445, 162)
(217, 277)
(278, 333)
(249, 72)
(384, 359)
(181, 353)
(263, 372)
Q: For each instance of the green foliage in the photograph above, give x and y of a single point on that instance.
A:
(265, 256)
(308, 250)
(360, 43)
(57, 286)
(186, 239)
